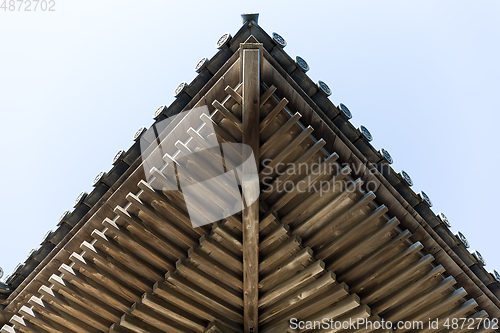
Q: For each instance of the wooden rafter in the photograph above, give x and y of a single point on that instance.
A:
(251, 119)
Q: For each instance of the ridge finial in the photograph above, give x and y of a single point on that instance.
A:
(250, 17)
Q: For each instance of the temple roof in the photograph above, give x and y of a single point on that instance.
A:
(370, 249)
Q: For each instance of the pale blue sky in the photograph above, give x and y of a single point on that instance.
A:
(75, 85)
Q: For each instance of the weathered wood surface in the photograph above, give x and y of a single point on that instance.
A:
(250, 218)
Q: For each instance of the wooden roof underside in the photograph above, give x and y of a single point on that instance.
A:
(347, 253)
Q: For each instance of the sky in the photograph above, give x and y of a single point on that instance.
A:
(76, 83)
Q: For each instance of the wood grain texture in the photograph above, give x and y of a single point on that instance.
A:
(251, 137)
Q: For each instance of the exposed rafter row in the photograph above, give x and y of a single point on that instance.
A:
(342, 224)
(329, 248)
(150, 236)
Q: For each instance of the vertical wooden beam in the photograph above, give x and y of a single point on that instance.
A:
(250, 122)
